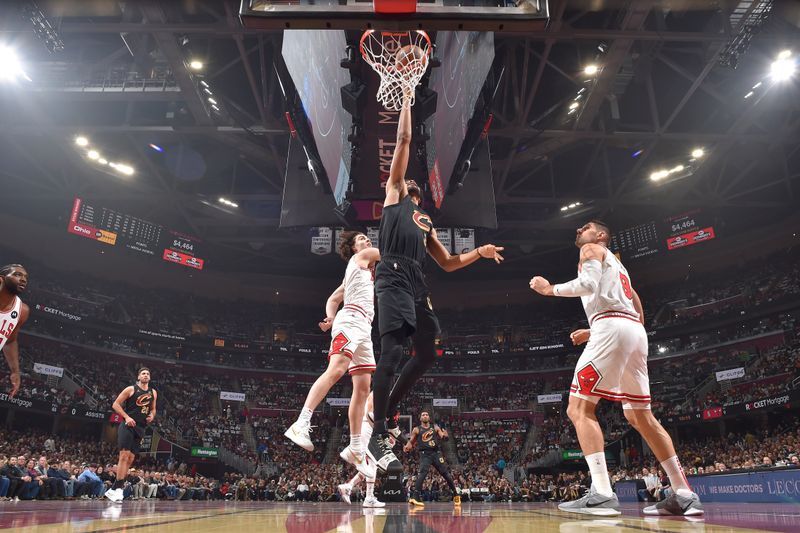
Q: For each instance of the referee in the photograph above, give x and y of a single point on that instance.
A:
(429, 455)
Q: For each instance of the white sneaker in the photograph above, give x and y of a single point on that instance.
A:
(299, 433)
(373, 502)
(344, 492)
(120, 495)
(111, 494)
(363, 463)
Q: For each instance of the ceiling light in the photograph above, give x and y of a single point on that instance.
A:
(125, 169)
(564, 208)
(697, 153)
(10, 67)
(782, 69)
(785, 54)
(677, 168)
(206, 89)
(196, 65)
(102, 161)
(212, 101)
(748, 95)
(155, 147)
(81, 141)
(574, 105)
(215, 108)
(204, 84)
(591, 70)
(659, 174)
(92, 154)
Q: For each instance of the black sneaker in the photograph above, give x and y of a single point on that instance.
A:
(676, 505)
(380, 450)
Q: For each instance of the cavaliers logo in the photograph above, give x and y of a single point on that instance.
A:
(428, 437)
(423, 221)
(144, 400)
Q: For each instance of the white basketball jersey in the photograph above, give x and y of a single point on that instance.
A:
(359, 289)
(614, 292)
(9, 321)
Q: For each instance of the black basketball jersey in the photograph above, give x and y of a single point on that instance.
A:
(140, 403)
(404, 231)
(428, 439)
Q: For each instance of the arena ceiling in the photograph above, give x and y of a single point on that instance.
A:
(663, 90)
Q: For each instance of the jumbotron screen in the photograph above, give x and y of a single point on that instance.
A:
(115, 228)
(671, 233)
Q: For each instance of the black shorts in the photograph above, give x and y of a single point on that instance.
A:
(403, 299)
(128, 438)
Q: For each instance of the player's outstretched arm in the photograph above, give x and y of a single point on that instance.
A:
(396, 187)
(412, 441)
(449, 263)
(368, 257)
(332, 307)
(11, 350)
(586, 283)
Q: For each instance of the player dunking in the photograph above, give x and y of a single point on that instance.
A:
(429, 455)
(13, 314)
(136, 404)
(613, 366)
(351, 346)
(346, 488)
(404, 307)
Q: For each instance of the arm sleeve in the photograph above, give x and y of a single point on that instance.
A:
(585, 284)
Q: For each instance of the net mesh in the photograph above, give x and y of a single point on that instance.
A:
(384, 52)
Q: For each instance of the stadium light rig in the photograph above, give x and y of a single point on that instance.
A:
(95, 156)
(782, 69)
(225, 201)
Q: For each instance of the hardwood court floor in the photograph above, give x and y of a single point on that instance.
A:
(252, 517)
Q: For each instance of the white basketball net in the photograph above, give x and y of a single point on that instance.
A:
(380, 50)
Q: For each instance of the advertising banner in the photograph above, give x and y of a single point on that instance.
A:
(199, 451)
(549, 398)
(775, 486)
(321, 240)
(338, 402)
(733, 373)
(445, 402)
(48, 370)
(232, 396)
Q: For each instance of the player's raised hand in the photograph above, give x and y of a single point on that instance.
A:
(541, 285)
(579, 336)
(326, 323)
(490, 251)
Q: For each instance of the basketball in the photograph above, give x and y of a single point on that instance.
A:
(408, 55)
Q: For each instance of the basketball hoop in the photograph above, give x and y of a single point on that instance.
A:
(400, 59)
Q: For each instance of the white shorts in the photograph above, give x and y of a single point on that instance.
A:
(351, 336)
(613, 365)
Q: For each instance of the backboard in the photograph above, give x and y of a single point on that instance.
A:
(428, 15)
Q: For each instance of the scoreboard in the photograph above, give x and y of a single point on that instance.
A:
(671, 233)
(114, 228)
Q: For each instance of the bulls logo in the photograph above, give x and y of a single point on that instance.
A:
(423, 221)
(339, 342)
(588, 378)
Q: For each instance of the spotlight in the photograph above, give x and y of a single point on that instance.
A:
(102, 161)
(196, 65)
(124, 169)
(156, 147)
(783, 68)
(92, 154)
(662, 349)
(785, 54)
(10, 67)
(212, 101)
(659, 175)
(215, 108)
(574, 105)
(204, 84)
(748, 95)
(206, 89)
(591, 70)
(697, 153)
(637, 153)
(678, 168)
(225, 201)
(81, 141)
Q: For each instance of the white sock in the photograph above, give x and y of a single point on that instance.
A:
(366, 431)
(356, 444)
(305, 416)
(599, 471)
(370, 489)
(677, 480)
